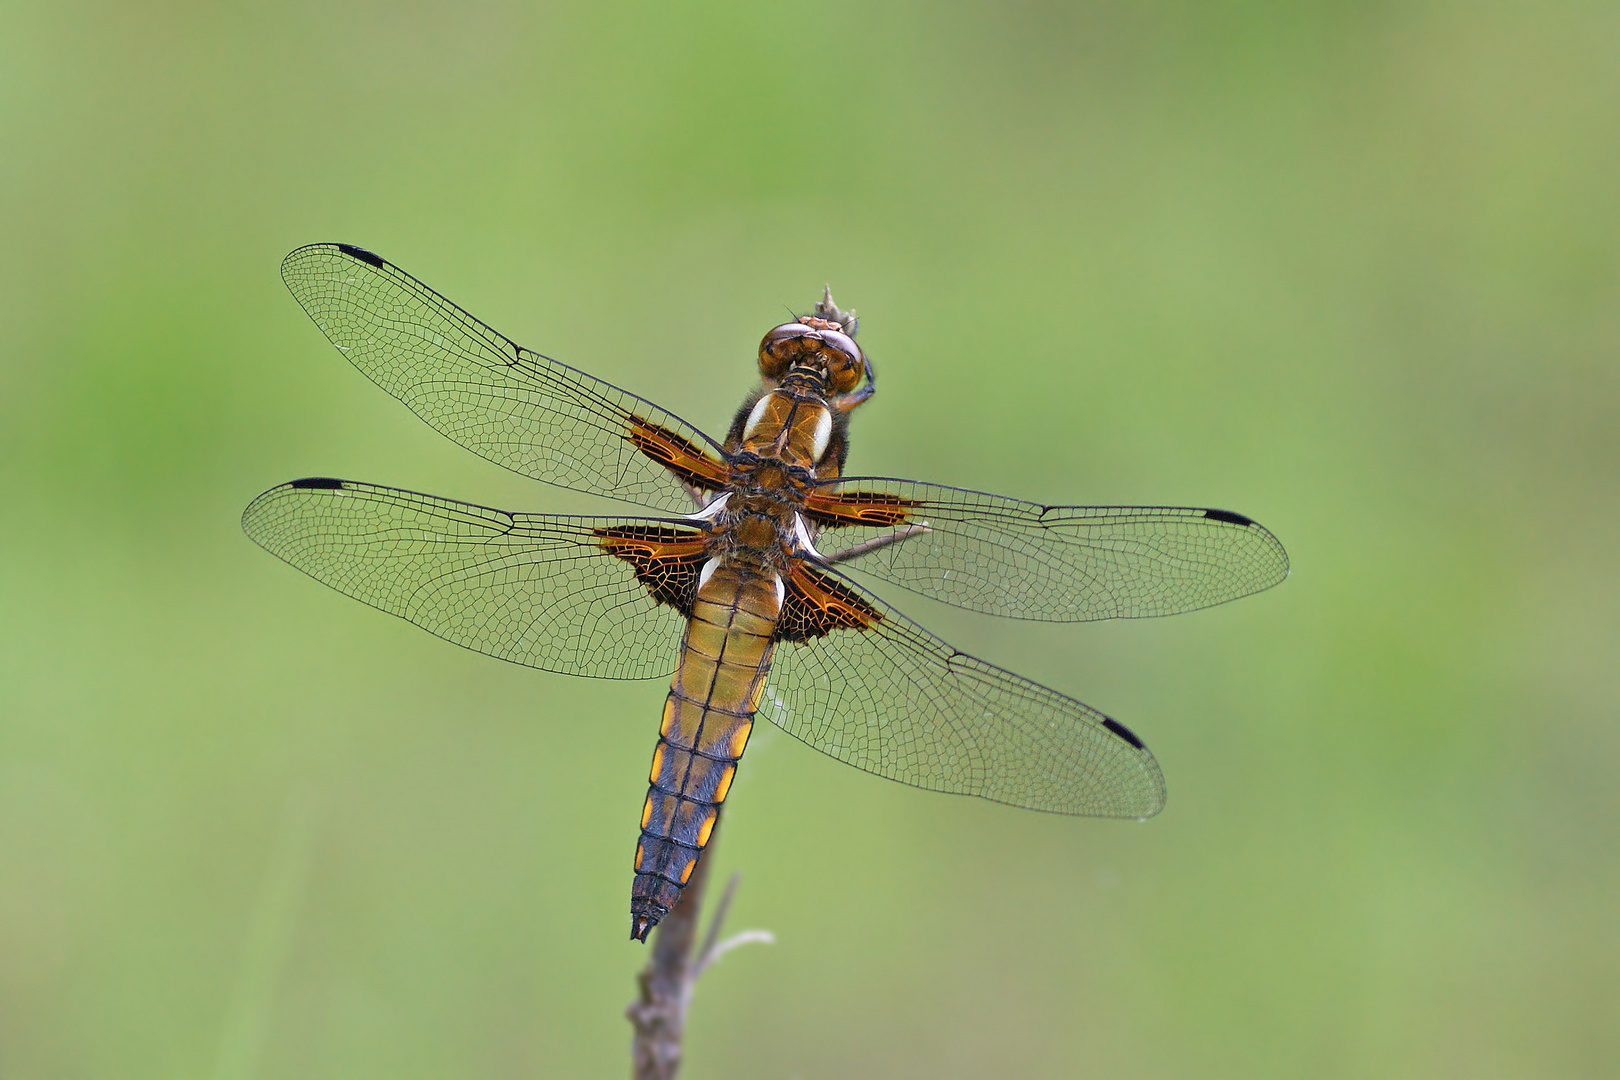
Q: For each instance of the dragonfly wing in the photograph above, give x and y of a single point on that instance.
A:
(579, 595)
(506, 403)
(857, 680)
(1002, 556)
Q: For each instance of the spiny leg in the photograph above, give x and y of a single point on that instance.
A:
(860, 394)
(699, 500)
(877, 543)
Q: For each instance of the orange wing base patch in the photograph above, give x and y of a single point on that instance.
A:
(678, 454)
(817, 604)
(667, 561)
(858, 508)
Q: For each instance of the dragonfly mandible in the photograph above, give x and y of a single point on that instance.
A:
(742, 584)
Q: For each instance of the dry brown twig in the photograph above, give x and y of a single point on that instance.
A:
(672, 971)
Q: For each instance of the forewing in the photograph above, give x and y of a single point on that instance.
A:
(859, 681)
(515, 407)
(1004, 556)
(577, 595)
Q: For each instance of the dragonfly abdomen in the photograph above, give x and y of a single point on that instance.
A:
(725, 658)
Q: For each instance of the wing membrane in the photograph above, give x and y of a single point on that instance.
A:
(534, 589)
(877, 691)
(1002, 556)
(515, 407)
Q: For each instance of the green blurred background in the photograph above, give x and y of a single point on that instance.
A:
(1353, 269)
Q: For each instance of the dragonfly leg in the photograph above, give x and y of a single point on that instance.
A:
(848, 402)
(699, 500)
(861, 393)
(866, 547)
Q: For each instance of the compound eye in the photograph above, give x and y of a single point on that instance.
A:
(784, 345)
(846, 366)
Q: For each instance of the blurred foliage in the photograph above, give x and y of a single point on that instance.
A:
(1353, 269)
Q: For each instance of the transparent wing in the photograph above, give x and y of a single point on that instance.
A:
(513, 406)
(892, 699)
(1004, 556)
(533, 589)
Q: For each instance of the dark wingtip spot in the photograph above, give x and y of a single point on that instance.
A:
(1122, 731)
(1228, 517)
(318, 483)
(362, 254)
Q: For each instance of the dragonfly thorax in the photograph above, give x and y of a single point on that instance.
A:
(753, 475)
(756, 526)
(757, 532)
(792, 423)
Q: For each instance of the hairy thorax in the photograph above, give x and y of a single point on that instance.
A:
(775, 454)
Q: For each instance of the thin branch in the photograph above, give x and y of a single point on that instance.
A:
(826, 309)
(737, 940)
(866, 547)
(705, 954)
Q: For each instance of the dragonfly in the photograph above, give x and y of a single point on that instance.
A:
(745, 585)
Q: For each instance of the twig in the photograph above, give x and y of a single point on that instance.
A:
(826, 309)
(705, 954)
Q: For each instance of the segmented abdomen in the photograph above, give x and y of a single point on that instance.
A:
(725, 657)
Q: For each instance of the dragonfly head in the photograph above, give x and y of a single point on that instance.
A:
(816, 346)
